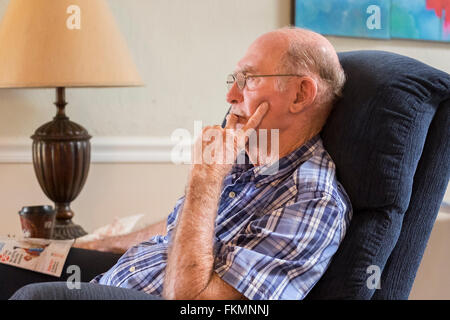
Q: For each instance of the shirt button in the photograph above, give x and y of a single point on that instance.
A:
(232, 194)
(132, 269)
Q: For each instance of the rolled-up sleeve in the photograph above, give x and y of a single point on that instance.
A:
(282, 254)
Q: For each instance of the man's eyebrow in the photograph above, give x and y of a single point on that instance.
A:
(246, 69)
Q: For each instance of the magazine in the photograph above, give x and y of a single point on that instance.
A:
(39, 255)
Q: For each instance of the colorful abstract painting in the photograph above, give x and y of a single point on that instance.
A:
(385, 19)
(421, 19)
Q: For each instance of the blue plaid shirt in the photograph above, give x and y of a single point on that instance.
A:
(275, 234)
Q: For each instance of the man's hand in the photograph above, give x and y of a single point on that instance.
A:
(216, 149)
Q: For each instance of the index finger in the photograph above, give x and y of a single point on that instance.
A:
(257, 117)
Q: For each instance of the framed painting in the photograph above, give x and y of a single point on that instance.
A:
(382, 19)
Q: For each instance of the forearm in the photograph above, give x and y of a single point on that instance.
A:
(128, 240)
(191, 259)
(120, 244)
(190, 262)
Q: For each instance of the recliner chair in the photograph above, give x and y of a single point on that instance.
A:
(390, 139)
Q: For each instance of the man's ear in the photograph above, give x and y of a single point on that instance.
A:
(305, 94)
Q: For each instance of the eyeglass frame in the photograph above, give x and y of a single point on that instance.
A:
(245, 77)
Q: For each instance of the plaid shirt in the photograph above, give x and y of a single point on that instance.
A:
(275, 234)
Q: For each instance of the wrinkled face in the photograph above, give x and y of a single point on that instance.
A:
(262, 57)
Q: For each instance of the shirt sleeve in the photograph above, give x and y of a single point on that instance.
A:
(282, 254)
(173, 216)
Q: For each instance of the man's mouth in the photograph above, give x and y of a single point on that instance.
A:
(242, 119)
(239, 115)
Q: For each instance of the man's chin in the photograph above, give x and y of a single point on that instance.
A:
(241, 122)
(239, 126)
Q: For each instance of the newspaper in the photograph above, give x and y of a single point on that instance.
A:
(39, 255)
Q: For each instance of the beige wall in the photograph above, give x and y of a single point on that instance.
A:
(183, 50)
(433, 280)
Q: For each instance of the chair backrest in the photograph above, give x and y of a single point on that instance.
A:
(390, 139)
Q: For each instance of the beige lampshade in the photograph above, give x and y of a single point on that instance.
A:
(63, 43)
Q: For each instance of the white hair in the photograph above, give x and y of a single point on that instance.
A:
(303, 56)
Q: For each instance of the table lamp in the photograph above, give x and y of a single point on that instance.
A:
(62, 44)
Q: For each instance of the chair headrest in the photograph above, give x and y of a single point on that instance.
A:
(376, 132)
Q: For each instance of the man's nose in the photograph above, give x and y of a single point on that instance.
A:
(234, 95)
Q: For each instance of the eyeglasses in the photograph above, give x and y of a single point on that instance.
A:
(241, 79)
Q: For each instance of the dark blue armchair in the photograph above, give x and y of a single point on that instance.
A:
(390, 139)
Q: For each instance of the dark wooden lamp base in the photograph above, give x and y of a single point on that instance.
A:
(66, 229)
(61, 158)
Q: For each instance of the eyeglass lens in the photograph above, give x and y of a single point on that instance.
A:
(239, 78)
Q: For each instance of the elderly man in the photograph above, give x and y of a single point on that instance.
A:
(239, 232)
